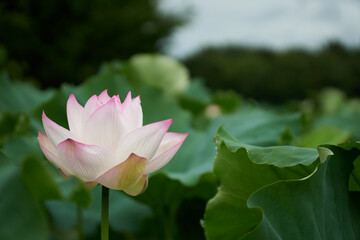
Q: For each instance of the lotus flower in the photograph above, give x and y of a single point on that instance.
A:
(108, 144)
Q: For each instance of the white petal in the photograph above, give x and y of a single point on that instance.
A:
(87, 162)
(168, 147)
(74, 114)
(104, 127)
(48, 149)
(143, 141)
(55, 133)
(131, 111)
(90, 107)
(104, 97)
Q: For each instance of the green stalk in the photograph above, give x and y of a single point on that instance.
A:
(105, 213)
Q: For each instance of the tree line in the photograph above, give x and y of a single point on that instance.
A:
(276, 76)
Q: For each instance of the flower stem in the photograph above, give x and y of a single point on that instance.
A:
(105, 213)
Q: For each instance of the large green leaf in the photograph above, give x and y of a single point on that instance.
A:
(13, 125)
(322, 135)
(319, 207)
(345, 120)
(243, 169)
(75, 191)
(263, 195)
(196, 97)
(39, 179)
(354, 182)
(257, 126)
(228, 101)
(19, 147)
(21, 216)
(197, 90)
(19, 96)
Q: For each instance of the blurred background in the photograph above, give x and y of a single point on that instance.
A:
(269, 50)
(271, 72)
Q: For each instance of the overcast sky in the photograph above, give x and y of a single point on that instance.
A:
(277, 24)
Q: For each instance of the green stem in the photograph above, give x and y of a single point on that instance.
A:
(105, 213)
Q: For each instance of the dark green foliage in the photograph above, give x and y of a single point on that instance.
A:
(277, 76)
(65, 41)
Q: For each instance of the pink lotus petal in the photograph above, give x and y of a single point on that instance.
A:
(139, 187)
(131, 110)
(143, 141)
(117, 101)
(125, 174)
(91, 105)
(74, 115)
(55, 133)
(85, 161)
(128, 98)
(105, 126)
(170, 139)
(104, 97)
(49, 151)
(107, 143)
(168, 147)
